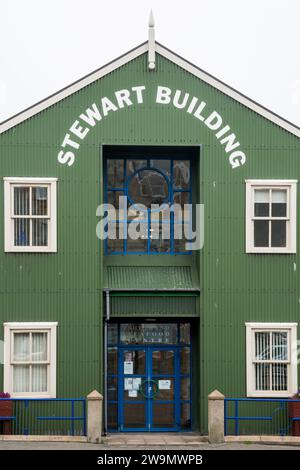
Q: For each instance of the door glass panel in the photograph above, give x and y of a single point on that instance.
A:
(163, 415)
(112, 415)
(133, 389)
(163, 362)
(185, 415)
(185, 388)
(134, 362)
(134, 415)
(185, 361)
(112, 388)
(163, 389)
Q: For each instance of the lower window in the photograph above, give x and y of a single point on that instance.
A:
(271, 359)
(30, 359)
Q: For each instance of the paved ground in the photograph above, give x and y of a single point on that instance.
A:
(81, 446)
(131, 441)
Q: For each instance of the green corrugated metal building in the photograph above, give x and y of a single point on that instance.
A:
(157, 321)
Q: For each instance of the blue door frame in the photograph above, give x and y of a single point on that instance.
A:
(149, 381)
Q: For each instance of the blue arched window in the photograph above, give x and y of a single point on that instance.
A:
(155, 217)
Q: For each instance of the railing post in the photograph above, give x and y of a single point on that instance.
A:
(94, 417)
(216, 417)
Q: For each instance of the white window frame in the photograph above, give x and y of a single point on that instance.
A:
(291, 187)
(9, 184)
(291, 328)
(26, 327)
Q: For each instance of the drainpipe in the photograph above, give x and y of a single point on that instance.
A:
(106, 320)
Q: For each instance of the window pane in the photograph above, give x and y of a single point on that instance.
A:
(21, 347)
(21, 379)
(261, 233)
(262, 346)
(113, 198)
(181, 174)
(21, 201)
(39, 201)
(182, 198)
(148, 187)
(280, 346)
(160, 238)
(131, 333)
(261, 203)
(162, 165)
(21, 227)
(112, 360)
(185, 333)
(39, 378)
(133, 165)
(262, 376)
(278, 233)
(185, 360)
(134, 244)
(279, 203)
(182, 235)
(112, 333)
(115, 242)
(39, 347)
(112, 388)
(39, 232)
(279, 377)
(115, 173)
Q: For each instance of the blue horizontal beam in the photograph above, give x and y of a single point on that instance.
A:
(6, 418)
(253, 418)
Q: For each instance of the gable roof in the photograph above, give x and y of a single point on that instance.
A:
(133, 54)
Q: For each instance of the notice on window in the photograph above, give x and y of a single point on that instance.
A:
(132, 393)
(164, 384)
(128, 367)
(128, 384)
(136, 383)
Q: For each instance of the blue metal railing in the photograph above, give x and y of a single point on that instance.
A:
(272, 416)
(46, 416)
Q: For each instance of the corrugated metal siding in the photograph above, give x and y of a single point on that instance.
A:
(149, 277)
(155, 306)
(67, 286)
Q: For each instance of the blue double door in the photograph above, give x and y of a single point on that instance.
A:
(149, 388)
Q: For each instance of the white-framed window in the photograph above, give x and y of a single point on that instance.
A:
(271, 216)
(30, 214)
(30, 359)
(271, 350)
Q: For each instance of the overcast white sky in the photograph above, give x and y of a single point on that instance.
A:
(252, 45)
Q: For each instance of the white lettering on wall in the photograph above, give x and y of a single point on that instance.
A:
(124, 98)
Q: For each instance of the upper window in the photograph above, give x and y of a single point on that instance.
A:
(271, 359)
(30, 359)
(30, 214)
(271, 216)
(154, 215)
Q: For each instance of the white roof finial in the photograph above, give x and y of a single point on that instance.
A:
(151, 42)
(151, 20)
